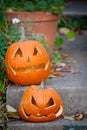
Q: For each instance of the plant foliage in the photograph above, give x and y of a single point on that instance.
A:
(73, 22)
(3, 48)
(55, 6)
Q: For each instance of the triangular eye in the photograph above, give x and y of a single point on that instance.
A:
(18, 52)
(50, 102)
(35, 51)
(33, 101)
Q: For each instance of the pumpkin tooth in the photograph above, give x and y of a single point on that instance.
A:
(39, 114)
(13, 70)
(41, 66)
(59, 112)
(46, 66)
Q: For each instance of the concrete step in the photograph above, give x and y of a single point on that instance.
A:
(75, 7)
(72, 89)
(58, 124)
(74, 99)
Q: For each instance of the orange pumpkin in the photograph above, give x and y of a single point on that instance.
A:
(27, 62)
(39, 105)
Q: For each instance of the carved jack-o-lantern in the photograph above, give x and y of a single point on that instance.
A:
(27, 62)
(39, 105)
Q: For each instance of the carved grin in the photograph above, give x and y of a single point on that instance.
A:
(38, 117)
(57, 114)
(26, 70)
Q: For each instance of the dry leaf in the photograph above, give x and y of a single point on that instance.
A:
(79, 116)
(12, 113)
(75, 72)
(63, 30)
(69, 117)
(10, 109)
(60, 64)
(66, 69)
(64, 56)
(1, 93)
(51, 76)
(55, 73)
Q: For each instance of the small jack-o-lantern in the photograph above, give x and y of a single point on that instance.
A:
(27, 62)
(39, 105)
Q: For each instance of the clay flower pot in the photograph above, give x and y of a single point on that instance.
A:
(38, 22)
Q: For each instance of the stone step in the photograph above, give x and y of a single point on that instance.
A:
(74, 98)
(72, 89)
(58, 124)
(75, 7)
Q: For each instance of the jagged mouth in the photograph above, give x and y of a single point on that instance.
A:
(57, 114)
(39, 116)
(30, 68)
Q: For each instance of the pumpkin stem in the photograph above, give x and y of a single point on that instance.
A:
(42, 86)
(22, 31)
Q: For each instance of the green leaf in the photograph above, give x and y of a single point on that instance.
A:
(42, 5)
(71, 35)
(29, 6)
(56, 57)
(58, 41)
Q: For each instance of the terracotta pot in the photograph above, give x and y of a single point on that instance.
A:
(38, 22)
